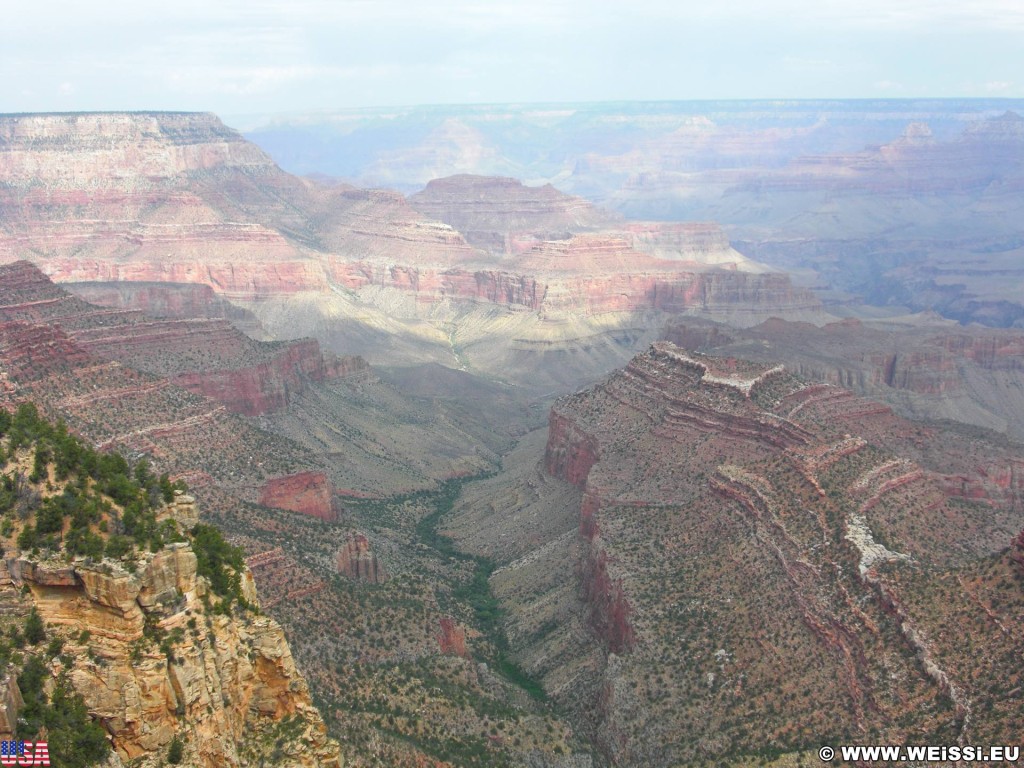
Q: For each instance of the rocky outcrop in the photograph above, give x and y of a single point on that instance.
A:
(208, 357)
(451, 637)
(224, 684)
(183, 301)
(723, 498)
(266, 387)
(923, 368)
(570, 452)
(609, 606)
(503, 215)
(308, 493)
(11, 703)
(357, 560)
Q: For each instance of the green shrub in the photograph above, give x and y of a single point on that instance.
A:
(35, 631)
(176, 751)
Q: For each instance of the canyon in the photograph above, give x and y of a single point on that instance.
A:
(166, 381)
(727, 539)
(901, 203)
(525, 480)
(548, 280)
(326, 518)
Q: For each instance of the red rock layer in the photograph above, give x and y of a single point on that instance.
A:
(184, 301)
(266, 387)
(498, 214)
(183, 199)
(451, 638)
(308, 493)
(357, 560)
(206, 357)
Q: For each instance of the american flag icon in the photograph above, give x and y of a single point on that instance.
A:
(24, 753)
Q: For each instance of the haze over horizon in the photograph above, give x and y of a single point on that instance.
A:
(235, 57)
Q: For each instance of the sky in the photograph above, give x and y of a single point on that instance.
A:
(258, 56)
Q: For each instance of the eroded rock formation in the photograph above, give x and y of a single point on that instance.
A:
(165, 198)
(924, 367)
(309, 493)
(357, 560)
(225, 686)
(743, 532)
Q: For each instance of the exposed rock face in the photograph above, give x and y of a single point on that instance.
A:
(570, 453)
(183, 301)
(502, 215)
(357, 560)
(56, 349)
(362, 270)
(745, 532)
(928, 370)
(230, 682)
(11, 703)
(306, 492)
(268, 386)
(161, 145)
(84, 191)
(206, 357)
(452, 637)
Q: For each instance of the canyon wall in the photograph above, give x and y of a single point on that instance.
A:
(739, 530)
(927, 368)
(225, 685)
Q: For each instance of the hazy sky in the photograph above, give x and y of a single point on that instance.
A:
(256, 56)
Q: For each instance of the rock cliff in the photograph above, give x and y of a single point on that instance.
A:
(741, 534)
(168, 198)
(208, 357)
(923, 368)
(229, 686)
(357, 560)
(307, 492)
(155, 618)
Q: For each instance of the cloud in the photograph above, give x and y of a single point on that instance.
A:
(237, 55)
(903, 15)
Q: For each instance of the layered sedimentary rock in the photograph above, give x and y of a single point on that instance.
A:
(741, 536)
(84, 192)
(175, 389)
(207, 357)
(165, 198)
(306, 492)
(224, 690)
(504, 216)
(924, 369)
(183, 301)
(357, 560)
